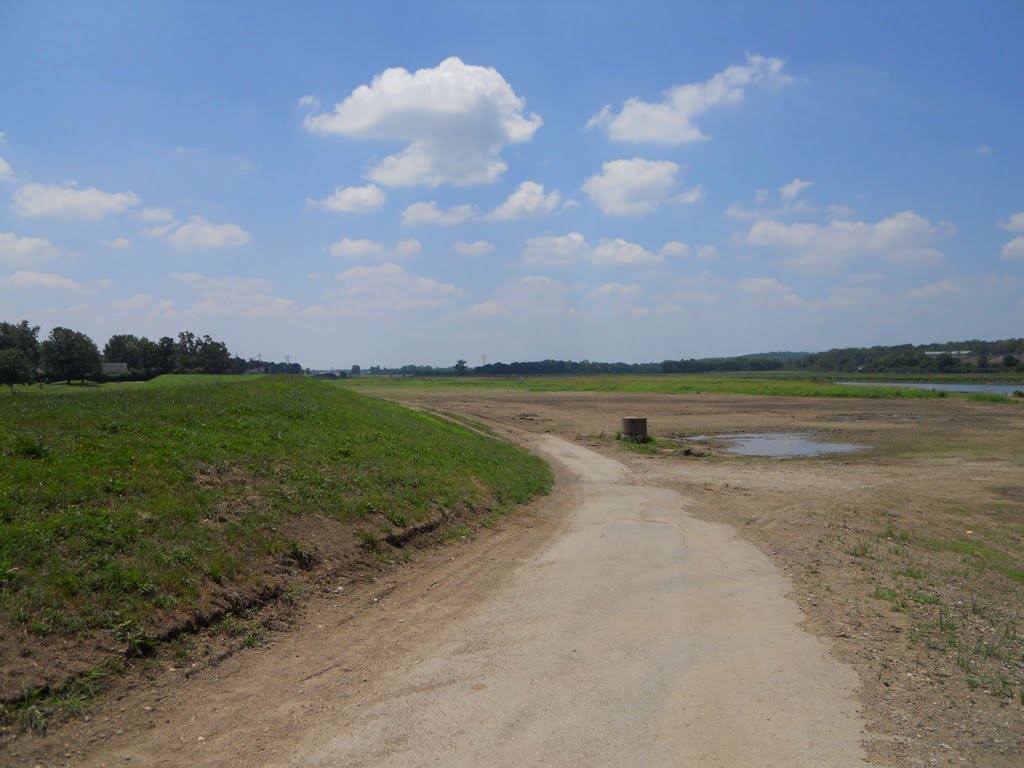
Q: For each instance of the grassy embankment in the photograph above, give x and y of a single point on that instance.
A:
(768, 384)
(128, 509)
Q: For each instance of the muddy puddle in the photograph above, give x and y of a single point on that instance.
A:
(779, 445)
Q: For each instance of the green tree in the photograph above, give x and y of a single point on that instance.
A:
(15, 368)
(212, 356)
(165, 355)
(1010, 361)
(68, 355)
(186, 353)
(23, 337)
(356, 370)
(461, 367)
(140, 354)
(945, 363)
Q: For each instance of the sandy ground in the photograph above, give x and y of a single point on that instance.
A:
(655, 610)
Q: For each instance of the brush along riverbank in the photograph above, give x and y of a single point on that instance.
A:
(133, 515)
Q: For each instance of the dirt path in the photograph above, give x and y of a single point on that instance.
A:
(642, 636)
(630, 634)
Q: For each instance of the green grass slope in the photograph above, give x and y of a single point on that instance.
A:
(126, 508)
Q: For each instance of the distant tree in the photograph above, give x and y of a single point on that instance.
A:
(165, 355)
(945, 363)
(118, 348)
(15, 368)
(212, 356)
(982, 362)
(356, 370)
(68, 355)
(139, 353)
(23, 337)
(186, 353)
(461, 368)
(1010, 361)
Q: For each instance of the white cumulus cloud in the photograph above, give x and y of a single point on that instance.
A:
(1014, 249)
(528, 201)
(792, 190)
(675, 249)
(768, 289)
(5, 170)
(621, 253)
(672, 120)
(573, 248)
(391, 288)
(632, 187)
(355, 249)
(25, 280)
(1015, 223)
(25, 251)
(356, 200)
(486, 308)
(456, 119)
(199, 234)
(475, 248)
(903, 238)
(556, 251)
(431, 213)
(690, 196)
(36, 200)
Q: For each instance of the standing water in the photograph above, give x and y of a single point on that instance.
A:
(995, 389)
(780, 445)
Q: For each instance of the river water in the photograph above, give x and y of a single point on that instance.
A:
(996, 389)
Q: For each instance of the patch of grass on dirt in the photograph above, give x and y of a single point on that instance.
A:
(959, 594)
(126, 508)
(40, 705)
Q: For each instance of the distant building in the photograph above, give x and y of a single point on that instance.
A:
(950, 352)
(115, 369)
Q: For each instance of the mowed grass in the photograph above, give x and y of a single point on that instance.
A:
(654, 383)
(122, 504)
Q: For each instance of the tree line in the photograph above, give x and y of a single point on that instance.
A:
(971, 356)
(984, 356)
(66, 354)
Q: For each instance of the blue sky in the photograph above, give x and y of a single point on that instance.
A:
(389, 183)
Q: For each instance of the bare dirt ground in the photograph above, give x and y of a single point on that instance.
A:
(908, 558)
(903, 563)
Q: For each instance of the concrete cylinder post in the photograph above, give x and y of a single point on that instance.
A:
(634, 428)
